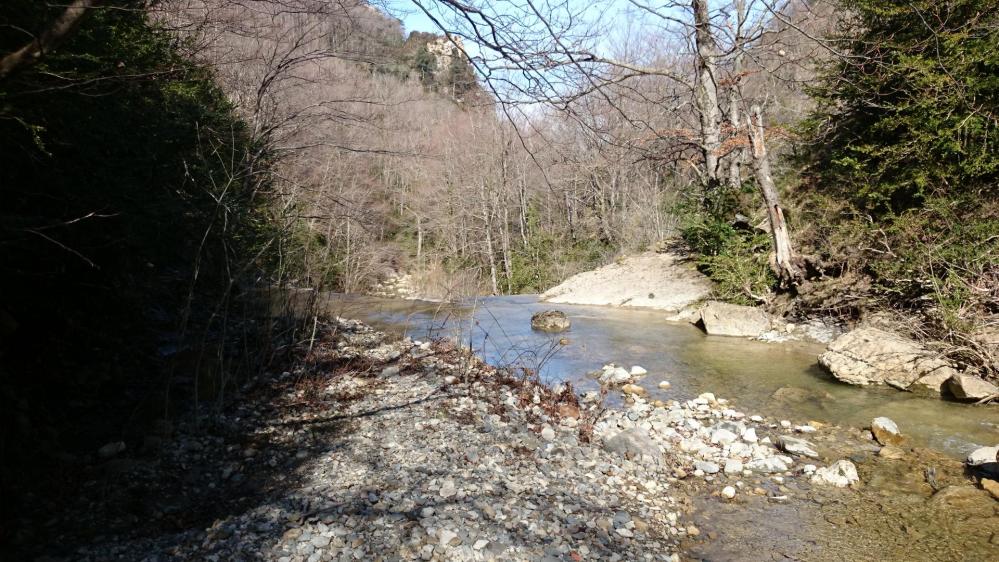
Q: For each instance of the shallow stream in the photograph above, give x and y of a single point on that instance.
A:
(919, 507)
(782, 380)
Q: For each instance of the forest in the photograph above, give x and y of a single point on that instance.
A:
(170, 170)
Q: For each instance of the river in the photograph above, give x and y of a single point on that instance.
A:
(899, 513)
(771, 379)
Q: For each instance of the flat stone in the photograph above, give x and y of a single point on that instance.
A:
(840, 474)
(723, 437)
(733, 466)
(706, 466)
(767, 465)
(795, 446)
(874, 356)
(633, 442)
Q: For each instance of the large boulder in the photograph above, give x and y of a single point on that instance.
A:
(550, 321)
(724, 319)
(970, 387)
(875, 356)
(658, 281)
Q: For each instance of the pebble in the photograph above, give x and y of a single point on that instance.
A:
(728, 492)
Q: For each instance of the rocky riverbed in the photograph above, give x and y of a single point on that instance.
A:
(370, 449)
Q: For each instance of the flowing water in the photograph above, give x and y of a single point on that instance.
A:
(898, 513)
(782, 380)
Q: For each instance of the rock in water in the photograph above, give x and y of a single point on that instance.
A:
(795, 446)
(841, 474)
(550, 321)
(874, 356)
(728, 492)
(969, 387)
(723, 319)
(633, 389)
(985, 461)
(614, 375)
(886, 431)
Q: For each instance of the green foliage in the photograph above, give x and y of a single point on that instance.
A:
(425, 65)
(912, 112)
(736, 260)
(903, 167)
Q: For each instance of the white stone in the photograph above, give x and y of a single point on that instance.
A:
(445, 537)
(785, 424)
(637, 371)
(769, 465)
(733, 466)
(749, 436)
(723, 437)
(548, 433)
(841, 474)
(664, 384)
(983, 455)
(728, 492)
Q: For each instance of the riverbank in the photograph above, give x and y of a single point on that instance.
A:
(368, 447)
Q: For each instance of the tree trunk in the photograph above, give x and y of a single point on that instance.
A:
(784, 262)
(48, 40)
(490, 250)
(706, 95)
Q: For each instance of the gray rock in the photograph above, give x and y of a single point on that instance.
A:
(733, 466)
(767, 465)
(795, 446)
(969, 387)
(550, 321)
(723, 437)
(706, 466)
(724, 319)
(633, 443)
(874, 356)
(548, 433)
